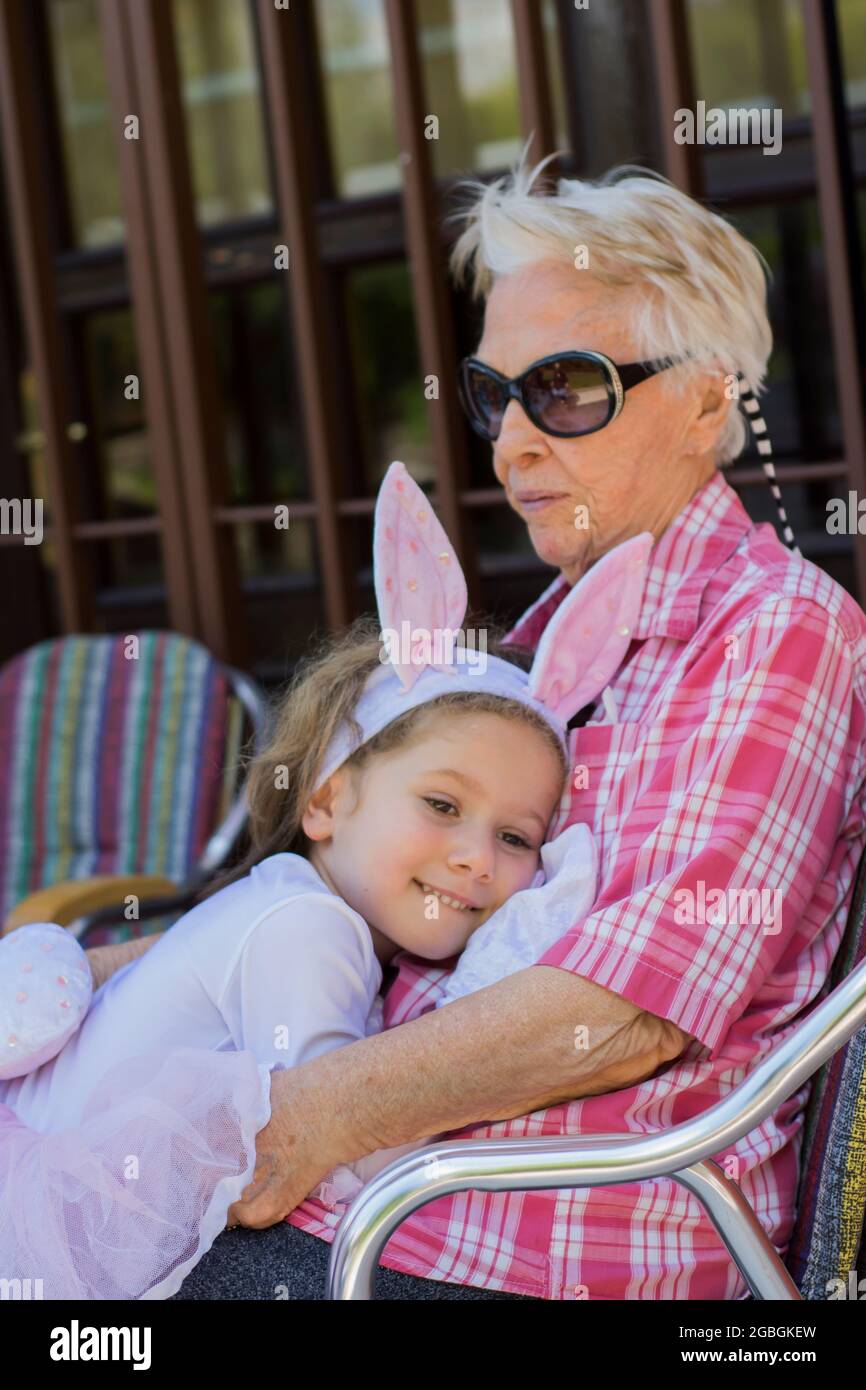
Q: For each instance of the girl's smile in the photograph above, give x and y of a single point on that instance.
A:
(450, 900)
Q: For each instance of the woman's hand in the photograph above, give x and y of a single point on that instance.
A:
(294, 1151)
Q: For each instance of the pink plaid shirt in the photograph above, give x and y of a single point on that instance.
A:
(736, 763)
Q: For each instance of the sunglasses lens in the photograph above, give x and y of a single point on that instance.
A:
(484, 401)
(570, 396)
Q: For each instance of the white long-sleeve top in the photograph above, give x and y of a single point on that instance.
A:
(279, 964)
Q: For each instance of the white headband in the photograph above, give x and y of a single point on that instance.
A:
(421, 594)
(384, 699)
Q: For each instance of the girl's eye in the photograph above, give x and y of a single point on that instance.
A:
(516, 841)
(521, 843)
(433, 801)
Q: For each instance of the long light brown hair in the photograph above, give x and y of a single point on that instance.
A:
(324, 689)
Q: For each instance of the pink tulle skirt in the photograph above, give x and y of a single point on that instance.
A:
(125, 1205)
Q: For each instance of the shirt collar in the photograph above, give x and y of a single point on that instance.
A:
(696, 543)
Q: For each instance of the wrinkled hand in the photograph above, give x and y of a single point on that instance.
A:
(293, 1151)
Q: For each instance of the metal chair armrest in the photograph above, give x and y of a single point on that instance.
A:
(496, 1165)
(179, 900)
(66, 902)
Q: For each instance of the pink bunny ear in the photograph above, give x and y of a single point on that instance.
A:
(417, 576)
(589, 634)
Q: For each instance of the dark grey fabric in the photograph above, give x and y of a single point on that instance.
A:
(285, 1262)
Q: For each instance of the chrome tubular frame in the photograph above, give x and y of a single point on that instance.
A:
(682, 1153)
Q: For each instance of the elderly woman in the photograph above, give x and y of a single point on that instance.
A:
(727, 756)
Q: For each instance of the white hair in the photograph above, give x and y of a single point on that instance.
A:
(707, 288)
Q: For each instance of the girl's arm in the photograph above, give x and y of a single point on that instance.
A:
(104, 960)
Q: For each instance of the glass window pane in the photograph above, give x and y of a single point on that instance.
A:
(360, 530)
(264, 549)
(129, 581)
(259, 394)
(89, 147)
(115, 450)
(852, 37)
(282, 594)
(222, 96)
(511, 574)
(750, 55)
(393, 413)
(358, 87)
(800, 403)
(470, 83)
(31, 441)
(753, 59)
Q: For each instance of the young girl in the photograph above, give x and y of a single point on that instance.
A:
(401, 805)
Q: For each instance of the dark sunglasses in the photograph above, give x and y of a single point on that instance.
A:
(566, 394)
(573, 393)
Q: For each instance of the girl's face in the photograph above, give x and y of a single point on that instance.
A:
(463, 810)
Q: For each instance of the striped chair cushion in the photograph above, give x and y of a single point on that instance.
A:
(111, 762)
(832, 1197)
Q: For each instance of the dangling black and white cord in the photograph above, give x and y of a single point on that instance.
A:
(758, 426)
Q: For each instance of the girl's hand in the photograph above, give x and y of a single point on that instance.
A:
(293, 1151)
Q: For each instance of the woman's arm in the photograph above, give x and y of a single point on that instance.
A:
(104, 960)
(503, 1051)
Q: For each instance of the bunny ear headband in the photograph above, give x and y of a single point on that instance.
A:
(421, 596)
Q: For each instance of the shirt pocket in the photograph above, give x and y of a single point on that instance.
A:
(604, 775)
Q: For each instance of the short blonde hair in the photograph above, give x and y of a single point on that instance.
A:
(708, 287)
